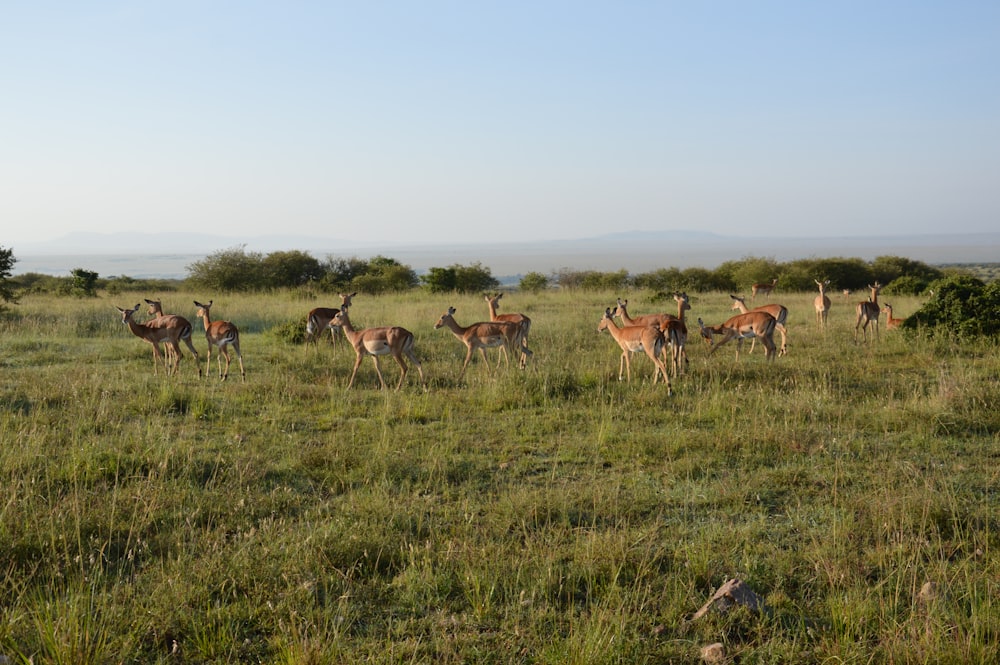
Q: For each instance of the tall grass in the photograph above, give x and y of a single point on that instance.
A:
(551, 515)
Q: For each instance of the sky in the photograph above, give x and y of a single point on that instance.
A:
(456, 122)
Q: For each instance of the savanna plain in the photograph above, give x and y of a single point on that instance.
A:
(548, 515)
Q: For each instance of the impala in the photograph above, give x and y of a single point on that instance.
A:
(868, 312)
(220, 334)
(822, 303)
(763, 289)
(184, 326)
(661, 321)
(673, 327)
(676, 332)
(482, 336)
(169, 337)
(633, 339)
(779, 312)
(321, 318)
(752, 324)
(522, 321)
(375, 342)
(891, 323)
(644, 320)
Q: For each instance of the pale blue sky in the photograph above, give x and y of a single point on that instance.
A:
(469, 121)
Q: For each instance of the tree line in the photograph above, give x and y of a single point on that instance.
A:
(961, 300)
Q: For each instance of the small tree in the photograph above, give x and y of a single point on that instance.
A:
(439, 280)
(7, 262)
(465, 279)
(228, 270)
(288, 269)
(84, 283)
(534, 282)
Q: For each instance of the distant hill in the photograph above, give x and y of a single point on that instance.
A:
(167, 255)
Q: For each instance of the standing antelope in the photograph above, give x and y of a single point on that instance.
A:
(764, 289)
(375, 342)
(752, 324)
(483, 335)
(185, 329)
(676, 332)
(633, 339)
(321, 318)
(220, 334)
(868, 312)
(643, 320)
(662, 321)
(822, 303)
(520, 319)
(779, 312)
(154, 335)
(891, 323)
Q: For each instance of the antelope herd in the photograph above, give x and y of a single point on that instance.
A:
(659, 336)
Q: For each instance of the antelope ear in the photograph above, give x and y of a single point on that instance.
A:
(451, 310)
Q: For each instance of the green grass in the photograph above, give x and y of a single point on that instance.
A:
(551, 515)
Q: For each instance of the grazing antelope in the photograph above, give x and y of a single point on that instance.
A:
(185, 329)
(155, 335)
(375, 342)
(822, 303)
(633, 339)
(753, 324)
(520, 319)
(891, 323)
(764, 289)
(780, 314)
(483, 335)
(321, 318)
(220, 334)
(868, 312)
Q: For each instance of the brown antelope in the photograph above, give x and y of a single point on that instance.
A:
(752, 324)
(161, 320)
(633, 339)
(674, 328)
(763, 289)
(780, 314)
(156, 335)
(520, 319)
(676, 332)
(643, 320)
(220, 334)
(891, 323)
(375, 342)
(822, 303)
(320, 318)
(868, 312)
(483, 335)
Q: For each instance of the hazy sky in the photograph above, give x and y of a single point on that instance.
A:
(471, 120)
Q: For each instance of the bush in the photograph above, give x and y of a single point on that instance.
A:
(7, 262)
(962, 305)
(534, 282)
(473, 278)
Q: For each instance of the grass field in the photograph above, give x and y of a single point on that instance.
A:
(552, 515)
